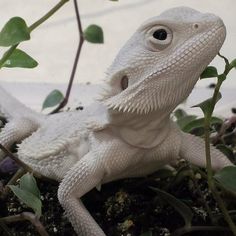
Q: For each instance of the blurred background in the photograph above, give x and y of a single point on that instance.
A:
(54, 44)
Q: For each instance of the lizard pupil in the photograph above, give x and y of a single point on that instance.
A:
(160, 34)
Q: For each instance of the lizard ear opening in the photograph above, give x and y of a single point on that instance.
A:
(124, 82)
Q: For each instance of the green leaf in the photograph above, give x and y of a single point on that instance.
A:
(28, 198)
(199, 123)
(20, 59)
(206, 105)
(94, 34)
(209, 72)
(53, 99)
(179, 206)
(14, 32)
(227, 177)
(28, 183)
(233, 63)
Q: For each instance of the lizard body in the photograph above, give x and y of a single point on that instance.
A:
(128, 133)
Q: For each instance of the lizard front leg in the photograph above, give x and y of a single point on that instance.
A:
(104, 164)
(84, 176)
(193, 149)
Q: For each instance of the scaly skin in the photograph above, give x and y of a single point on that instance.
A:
(129, 132)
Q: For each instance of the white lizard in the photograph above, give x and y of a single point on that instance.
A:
(129, 132)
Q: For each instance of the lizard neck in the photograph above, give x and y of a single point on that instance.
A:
(144, 131)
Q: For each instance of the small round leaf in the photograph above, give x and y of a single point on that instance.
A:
(14, 32)
(209, 72)
(53, 99)
(94, 34)
(20, 59)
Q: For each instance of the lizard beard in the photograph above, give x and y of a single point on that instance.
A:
(156, 94)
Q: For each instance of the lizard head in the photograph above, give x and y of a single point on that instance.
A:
(160, 64)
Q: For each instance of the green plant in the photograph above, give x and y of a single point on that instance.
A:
(207, 108)
(224, 179)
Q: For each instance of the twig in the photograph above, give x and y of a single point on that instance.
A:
(26, 216)
(47, 15)
(81, 41)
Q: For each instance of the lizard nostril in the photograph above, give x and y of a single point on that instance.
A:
(195, 26)
(124, 82)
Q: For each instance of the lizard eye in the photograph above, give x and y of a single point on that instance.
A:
(159, 37)
(160, 34)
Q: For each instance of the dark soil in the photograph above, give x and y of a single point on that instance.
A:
(128, 207)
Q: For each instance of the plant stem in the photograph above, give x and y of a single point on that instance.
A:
(32, 27)
(207, 132)
(210, 179)
(81, 41)
(47, 15)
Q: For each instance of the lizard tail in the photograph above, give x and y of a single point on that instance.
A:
(11, 108)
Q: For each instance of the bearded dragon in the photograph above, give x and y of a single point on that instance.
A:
(128, 132)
